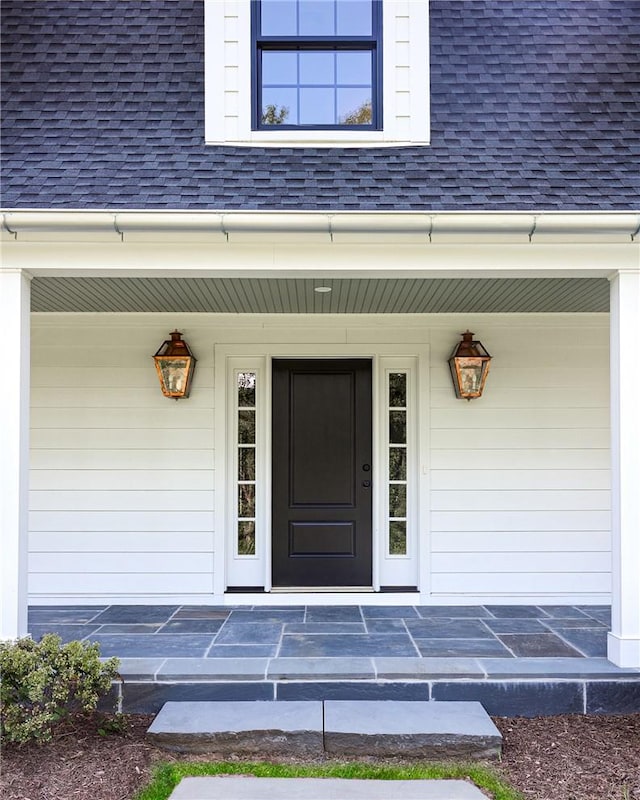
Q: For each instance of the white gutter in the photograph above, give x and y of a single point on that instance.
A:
(431, 226)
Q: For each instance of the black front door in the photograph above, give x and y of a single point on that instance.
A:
(321, 473)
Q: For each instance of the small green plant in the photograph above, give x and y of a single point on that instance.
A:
(43, 682)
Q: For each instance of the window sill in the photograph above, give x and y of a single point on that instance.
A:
(317, 139)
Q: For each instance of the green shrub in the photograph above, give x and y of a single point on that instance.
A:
(42, 682)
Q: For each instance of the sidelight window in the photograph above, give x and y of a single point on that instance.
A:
(246, 385)
(397, 410)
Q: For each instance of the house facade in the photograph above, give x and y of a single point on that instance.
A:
(321, 197)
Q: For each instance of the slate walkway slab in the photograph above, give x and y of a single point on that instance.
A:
(248, 788)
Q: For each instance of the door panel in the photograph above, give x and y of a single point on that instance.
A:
(321, 511)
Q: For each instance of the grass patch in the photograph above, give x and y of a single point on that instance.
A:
(167, 776)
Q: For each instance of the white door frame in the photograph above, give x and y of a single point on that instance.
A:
(258, 357)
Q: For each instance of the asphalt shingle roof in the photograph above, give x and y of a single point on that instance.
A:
(534, 104)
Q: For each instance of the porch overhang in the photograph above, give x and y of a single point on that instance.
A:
(307, 244)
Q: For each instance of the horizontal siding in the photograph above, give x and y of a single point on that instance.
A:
(515, 500)
(121, 521)
(122, 439)
(132, 500)
(533, 500)
(527, 459)
(108, 562)
(158, 480)
(478, 542)
(95, 584)
(122, 478)
(499, 520)
(526, 479)
(510, 562)
(519, 479)
(572, 585)
(121, 542)
(514, 398)
(114, 458)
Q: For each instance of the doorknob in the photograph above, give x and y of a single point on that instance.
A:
(366, 467)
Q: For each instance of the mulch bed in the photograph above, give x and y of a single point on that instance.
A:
(550, 758)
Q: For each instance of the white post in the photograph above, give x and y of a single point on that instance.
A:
(15, 295)
(624, 639)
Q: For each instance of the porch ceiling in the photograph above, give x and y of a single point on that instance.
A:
(297, 296)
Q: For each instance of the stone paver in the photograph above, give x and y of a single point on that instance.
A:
(250, 728)
(428, 730)
(248, 788)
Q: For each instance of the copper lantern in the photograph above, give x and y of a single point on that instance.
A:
(469, 364)
(175, 364)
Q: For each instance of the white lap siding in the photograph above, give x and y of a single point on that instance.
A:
(520, 501)
(515, 507)
(122, 478)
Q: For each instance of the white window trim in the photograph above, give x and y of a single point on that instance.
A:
(405, 83)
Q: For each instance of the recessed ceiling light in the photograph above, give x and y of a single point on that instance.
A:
(322, 289)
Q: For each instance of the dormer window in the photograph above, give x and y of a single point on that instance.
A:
(317, 64)
(317, 73)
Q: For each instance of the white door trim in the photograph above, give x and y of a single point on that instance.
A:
(258, 357)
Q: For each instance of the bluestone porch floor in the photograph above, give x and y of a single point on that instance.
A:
(497, 654)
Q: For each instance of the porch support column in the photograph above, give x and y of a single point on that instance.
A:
(624, 639)
(15, 295)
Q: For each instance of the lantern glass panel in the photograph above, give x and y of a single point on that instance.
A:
(174, 373)
(470, 370)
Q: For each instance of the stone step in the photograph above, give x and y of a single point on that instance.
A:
(433, 730)
(399, 727)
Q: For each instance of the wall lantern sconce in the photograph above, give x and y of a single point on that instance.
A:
(469, 365)
(175, 364)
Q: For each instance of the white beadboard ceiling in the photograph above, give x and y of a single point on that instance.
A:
(297, 296)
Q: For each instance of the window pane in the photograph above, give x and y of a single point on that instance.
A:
(246, 427)
(279, 107)
(354, 106)
(247, 389)
(397, 500)
(318, 68)
(398, 538)
(317, 107)
(397, 464)
(354, 67)
(354, 18)
(246, 500)
(398, 389)
(317, 18)
(278, 17)
(279, 68)
(398, 427)
(246, 538)
(246, 464)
